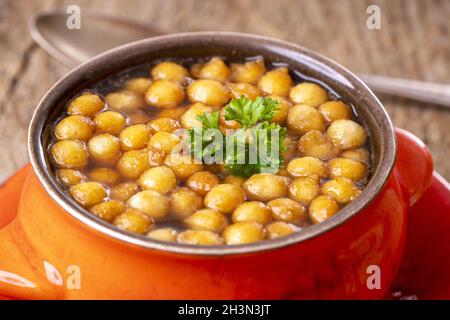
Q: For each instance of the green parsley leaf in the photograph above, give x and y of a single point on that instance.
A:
(249, 112)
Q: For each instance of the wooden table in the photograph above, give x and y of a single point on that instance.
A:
(414, 42)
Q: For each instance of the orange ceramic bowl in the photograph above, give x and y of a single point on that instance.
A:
(54, 248)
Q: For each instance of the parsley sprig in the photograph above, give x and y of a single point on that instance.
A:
(249, 112)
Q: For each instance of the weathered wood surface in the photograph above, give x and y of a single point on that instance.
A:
(414, 42)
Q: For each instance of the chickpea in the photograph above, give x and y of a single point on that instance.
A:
(202, 182)
(138, 85)
(189, 118)
(308, 93)
(252, 211)
(184, 202)
(150, 202)
(276, 82)
(215, 69)
(134, 137)
(341, 167)
(227, 124)
(283, 110)
(342, 189)
(138, 117)
(287, 210)
(125, 101)
(88, 193)
(163, 125)
(133, 163)
(335, 110)
(133, 221)
(106, 176)
(279, 229)
(244, 89)
(69, 154)
(104, 149)
(216, 168)
(250, 71)
(199, 237)
(234, 180)
(155, 157)
(163, 234)
(224, 197)
(88, 104)
(206, 219)
(184, 166)
(108, 210)
(169, 71)
(307, 166)
(70, 177)
(290, 145)
(265, 187)
(164, 94)
(318, 145)
(173, 113)
(209, 92)
(244, 232)
(322, 208)
(110, 122)
(74, 127)
(302, 118)
(347, 134)
(304, 189)
(163, 141)
(123, 191)
(161, 179)
(360, 154)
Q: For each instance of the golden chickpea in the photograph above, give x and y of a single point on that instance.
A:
(163, 141)
(199, 237)
(70, 177)
(250, 71)
(209, 92)
(104, 149)
(308, 93)
(163, 125)
(360, 154)
(276, 82)
(88, 104)
(138, 85)
(347, 134)
(163, 234)
(244, 232)
(322, 208)
(74, 127)
(287, 210)
(133, 163)
(290, 145)
(335, 110)
(283, 110)
(244, 89)
(161, 179)
(108, 210)
(150, 202)
(202, 182)
(265, 187)
(164, 94)
(227, 124)
(169, 71)
(138, 117)
(215, 69)
(304, 189)
(307, 166)
(216, 168)
(224, 197)
(88, 193)
(69, 154)
(206, 219)
(342, 189)
(341, 167)
(110, 122)
(302, 118)
(252, 211)
(125, 101)
(279, 229)
(173, 113)
(184, 166)
(134, 137)
(189, 118)
(106, 176)
(133, 221)
(184, 202)
(123, 191)
(155, 157)
(316, 144)
(234, 180)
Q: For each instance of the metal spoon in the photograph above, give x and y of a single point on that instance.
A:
(100, 32)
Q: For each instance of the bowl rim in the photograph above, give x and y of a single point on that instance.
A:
(375, 186)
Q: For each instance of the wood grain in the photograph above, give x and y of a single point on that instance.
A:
(414, 42)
